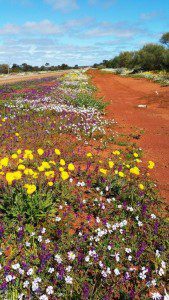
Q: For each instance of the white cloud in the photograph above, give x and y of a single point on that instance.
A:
(149, 16)
(45, 27)
(63, 5)
(121, 29)
(104, 4)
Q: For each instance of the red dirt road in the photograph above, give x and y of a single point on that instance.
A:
(124, 95)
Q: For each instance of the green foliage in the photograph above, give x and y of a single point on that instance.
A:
(86, 100)
(165, 39)
(149, 57)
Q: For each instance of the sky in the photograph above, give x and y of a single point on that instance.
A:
(79, 32)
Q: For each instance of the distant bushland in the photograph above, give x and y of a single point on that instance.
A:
(150, 57)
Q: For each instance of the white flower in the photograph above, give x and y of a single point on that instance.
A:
(37, 279)
(116, 272)
(20, 296)
(119, 206)
(153, 216)
(140, 223)
(128, 250)
(156, 295)
(68, 280)
(58, 258)
(47, 241)
(16, 266)
(117, 256)
(49, 290)
(71, 255)
(0, 266)
(101, 264)
(25, 284)
(43, 297)
(33, 233)
(87, 258)
(68, 269)
(57, 219)
(27, 244)
(163, 264)
(35, 286)
(9, 278)
(157, 253)
(154, 282)
(21, 271)
(30, 272)
(43, 230)
(104, 274)
(39, 238)
(161, 272)
(166, 296)
(109, 247)
(142, 275)
(129, 257)
(51, 270)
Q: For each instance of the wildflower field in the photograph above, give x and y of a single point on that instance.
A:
(80, 217)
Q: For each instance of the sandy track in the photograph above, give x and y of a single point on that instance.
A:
(124, 96)
(18, 78)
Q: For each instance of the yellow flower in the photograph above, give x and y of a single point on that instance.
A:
(28, 171)
(89, 154)
(50, 174)
(128, 166)
(71, 167)
(64, 175)
(141, 186)
(121, 174)
(135, 171)
(17, 175)
(4, 161)
(61, 169)
(50, 183)
(151, 164)
(62, 162)
(21, 167)
(28, 154)
(116, 152)
(57, 152)
(103, 171)
(16, 133)
(135, 154)
(111, 164)
(9, 177)
(14, 156)
(41, 169)
(35, 175)
(19, 151)
(46, 165)
(20, 160)
(40, 151)
(52, 162)
(31, 188)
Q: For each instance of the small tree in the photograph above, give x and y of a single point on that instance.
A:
(165, 39)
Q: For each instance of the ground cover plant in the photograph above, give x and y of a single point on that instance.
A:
(80, 218)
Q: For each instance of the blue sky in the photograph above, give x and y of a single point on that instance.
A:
(77, 31)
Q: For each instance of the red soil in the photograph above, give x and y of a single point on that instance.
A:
(124, 95)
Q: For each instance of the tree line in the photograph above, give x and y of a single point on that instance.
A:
(150, 57)
(15, 68)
